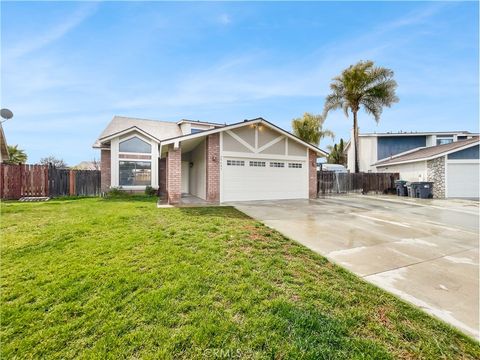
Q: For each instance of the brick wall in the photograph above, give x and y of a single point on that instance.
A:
(162, 176)
(105, 169)
(174, 175)
(312, 174)
(213, 167)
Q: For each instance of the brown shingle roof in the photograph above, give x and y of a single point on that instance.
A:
(428, 152)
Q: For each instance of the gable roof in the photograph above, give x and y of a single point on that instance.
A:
(177, 139)
(169, 132)
(428, 153)
(156, 129)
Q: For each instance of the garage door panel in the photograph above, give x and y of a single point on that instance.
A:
(463, 180)
(256, 182)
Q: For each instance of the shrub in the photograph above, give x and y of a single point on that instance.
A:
(116, 192)
(150, 191)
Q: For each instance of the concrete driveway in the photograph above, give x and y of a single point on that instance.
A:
(424, 251)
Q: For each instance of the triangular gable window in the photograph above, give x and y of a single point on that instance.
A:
(135, 145)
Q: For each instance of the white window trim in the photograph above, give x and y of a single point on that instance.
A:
(115, 162)
(135, 187)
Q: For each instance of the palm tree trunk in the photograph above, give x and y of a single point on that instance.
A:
(355, 140)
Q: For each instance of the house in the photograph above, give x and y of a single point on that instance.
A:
(3, 146)
(452, 167)
(248, 160)
(377, 146)
(87, 165)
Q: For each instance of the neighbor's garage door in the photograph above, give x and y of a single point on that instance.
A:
(463, 180)
(258, 179)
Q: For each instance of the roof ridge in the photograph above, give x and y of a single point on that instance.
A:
(143, 119)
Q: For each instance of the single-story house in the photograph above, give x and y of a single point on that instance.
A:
(453, 167)
(250, 160)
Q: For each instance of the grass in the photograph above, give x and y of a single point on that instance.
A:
(119, 278)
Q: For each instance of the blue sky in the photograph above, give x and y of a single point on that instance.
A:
(68, 67)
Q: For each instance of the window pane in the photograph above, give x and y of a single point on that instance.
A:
(194, 131)
(444, 141)
(135, 145)
(135, 173)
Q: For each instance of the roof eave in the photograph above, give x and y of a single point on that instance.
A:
(240, 124)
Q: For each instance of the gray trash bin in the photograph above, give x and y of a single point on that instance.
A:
(401, 187)
(410, 192)
(422, 189)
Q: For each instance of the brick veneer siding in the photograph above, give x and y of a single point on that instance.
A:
(436, 174)
(162, 176)
(105, 170)
(174, 175)
(213, 167)
(312, 174)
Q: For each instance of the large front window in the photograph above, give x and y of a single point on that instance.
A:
(135, 173)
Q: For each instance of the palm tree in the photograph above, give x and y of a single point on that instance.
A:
(337, 154)
(16, 155)
(362, 85)
(309, 128)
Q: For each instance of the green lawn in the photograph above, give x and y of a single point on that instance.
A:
(96, 278)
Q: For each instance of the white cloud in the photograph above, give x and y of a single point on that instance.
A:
(224, 19)
(52, 34)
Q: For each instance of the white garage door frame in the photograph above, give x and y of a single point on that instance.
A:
(449, 167)
(247, 182)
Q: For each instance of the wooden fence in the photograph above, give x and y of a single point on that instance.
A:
(330, 182)
(18, 181)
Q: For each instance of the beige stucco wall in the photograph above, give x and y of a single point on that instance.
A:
(247, 133)
(296, 149)
(367, 150)
(198, 171)
(416, 171)
(231, 144)
(276, 149)
(265, 135)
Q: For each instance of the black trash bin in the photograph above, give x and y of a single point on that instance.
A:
(422, 189)
(401, 186)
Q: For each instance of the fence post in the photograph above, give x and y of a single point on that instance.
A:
(72, 182)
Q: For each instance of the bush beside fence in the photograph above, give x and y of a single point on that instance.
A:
(330, 182)
(17, 181)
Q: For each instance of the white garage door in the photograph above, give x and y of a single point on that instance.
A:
(463, 180)
(259, 179)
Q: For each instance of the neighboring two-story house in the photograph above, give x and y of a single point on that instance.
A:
(448, 159)
(249, 160)
(374, 147)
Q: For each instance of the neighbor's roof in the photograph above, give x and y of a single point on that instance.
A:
(428, 153)
(412, 133)
(157, 129)
(418, 133)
